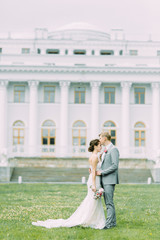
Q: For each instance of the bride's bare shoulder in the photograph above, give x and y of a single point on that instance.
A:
(93, 159)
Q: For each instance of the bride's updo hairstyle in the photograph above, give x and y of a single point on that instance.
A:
(93, 143)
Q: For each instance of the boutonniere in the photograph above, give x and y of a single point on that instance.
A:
(106, 151)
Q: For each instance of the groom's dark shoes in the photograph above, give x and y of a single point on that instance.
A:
(108, 227)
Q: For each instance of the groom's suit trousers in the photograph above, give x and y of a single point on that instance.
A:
(108, 197)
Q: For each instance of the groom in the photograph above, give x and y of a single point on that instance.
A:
(109, 176)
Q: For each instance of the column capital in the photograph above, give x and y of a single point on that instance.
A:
(3, 83)
(155, 84)
(95, 84)
(126, 84)
(33, 83)
(64, 83)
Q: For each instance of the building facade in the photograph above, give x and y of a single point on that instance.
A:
(59, 90)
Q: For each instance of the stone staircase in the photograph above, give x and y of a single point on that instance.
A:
(134, 175)
(73, 169)
(49, 174)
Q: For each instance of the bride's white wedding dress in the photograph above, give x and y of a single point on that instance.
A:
(89, 214)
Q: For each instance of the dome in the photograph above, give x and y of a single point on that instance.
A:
(79, 31)
(80, 26)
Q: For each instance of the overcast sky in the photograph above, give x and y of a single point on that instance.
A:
(134, 16)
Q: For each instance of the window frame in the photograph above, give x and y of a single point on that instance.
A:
(24, 50)
(49, 92)
(158, 53)
(49, 128)
(133, 52)
(52, 51)
(18, 137)
(139, 95)
(19, 94)
(110, 94)
(79, 136)
(79, 52)
(80, 95)
(106, 52)
(38, 51)
(139, 130)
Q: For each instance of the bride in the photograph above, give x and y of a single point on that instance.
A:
(90, 213)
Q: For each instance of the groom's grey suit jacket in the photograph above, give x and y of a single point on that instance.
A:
(109, 167)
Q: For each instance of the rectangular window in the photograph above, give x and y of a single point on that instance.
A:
(79, 51)
(48, 136)
(139, 138)
(19, 94)
(18, 136)
(38, 51)
(0, 50)
(49, 94)
(158, 52)
(109, 95)
(139, 95)
(52, 51)
(121, 52)
(106, 52)
(133, 52)
(79, 96)
(25, 50)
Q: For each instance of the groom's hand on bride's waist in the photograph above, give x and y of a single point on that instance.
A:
(98, 173)
(90, 171)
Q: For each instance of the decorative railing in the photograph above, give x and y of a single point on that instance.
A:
(79, 151)
(76, 151)
(24, 151)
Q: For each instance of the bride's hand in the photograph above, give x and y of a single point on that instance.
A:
(93, 188)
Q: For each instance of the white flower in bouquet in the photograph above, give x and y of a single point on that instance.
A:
(98, 194)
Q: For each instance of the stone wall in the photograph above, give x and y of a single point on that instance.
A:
(76, 162)
(5, 173)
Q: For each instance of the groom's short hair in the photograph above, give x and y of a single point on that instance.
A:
(105, 134)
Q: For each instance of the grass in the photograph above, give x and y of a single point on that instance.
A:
(137, 208)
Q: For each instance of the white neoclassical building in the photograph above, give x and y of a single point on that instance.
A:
(60, 89)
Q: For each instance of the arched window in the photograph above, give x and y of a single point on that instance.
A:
(110, 127)
(48, 133)
(140, 133)
(18, 133)
(79, 133)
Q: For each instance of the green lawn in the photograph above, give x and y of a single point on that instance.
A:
(137, 207)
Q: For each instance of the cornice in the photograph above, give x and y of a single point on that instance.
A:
(94, 42)
(78, 69)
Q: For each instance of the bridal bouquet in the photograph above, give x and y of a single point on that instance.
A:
(98, 194)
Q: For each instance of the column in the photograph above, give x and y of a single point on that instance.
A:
(64, 85)
(3, 116)
(95, 109)
(125, 119)
(155, 116)
(33, 126)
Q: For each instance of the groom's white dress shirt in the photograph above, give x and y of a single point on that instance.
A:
(106, 148)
